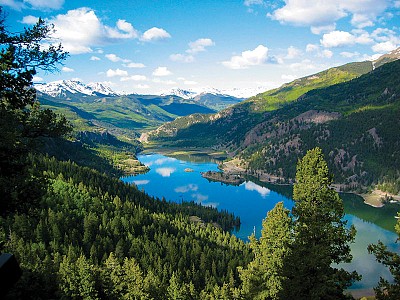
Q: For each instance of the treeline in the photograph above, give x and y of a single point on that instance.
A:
(91, 227)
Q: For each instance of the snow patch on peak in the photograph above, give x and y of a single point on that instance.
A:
(60, 88)
(185, 94)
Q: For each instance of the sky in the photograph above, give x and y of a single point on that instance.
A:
(150, 46)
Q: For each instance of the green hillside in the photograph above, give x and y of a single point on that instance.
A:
(227, 128)
(355, 122)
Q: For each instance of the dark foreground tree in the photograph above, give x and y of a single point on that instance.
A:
(21, 119)
(321, 237)
(263, 278)
(385, 289)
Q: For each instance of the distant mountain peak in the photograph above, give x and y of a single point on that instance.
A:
(185, 94)
(61, 88)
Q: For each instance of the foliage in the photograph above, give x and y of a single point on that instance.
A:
(21, 120)
(264, 276)
(91, 227)
(321, 237)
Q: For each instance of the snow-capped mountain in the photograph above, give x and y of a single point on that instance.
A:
(185, 94)
(241, 93)
(61, 88)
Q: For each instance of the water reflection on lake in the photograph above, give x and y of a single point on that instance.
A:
(252, 200)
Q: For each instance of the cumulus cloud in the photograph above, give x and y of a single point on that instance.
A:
(116, 73)
(323, 29)
(134, 65)
(384, 47)
(115, 58)
(200, 45)
(195, 47)
(161, 71)
(337, 39)
(95, 58)
(258, 56)
(30, 20)
(67, 70)
(319, 13)
(80, 29)
(154, 34)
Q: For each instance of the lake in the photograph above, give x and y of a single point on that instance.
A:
(169, 178)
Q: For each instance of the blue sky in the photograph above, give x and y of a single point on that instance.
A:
(152, 46)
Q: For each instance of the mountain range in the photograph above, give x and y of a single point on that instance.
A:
(96, 107)
(351, 112)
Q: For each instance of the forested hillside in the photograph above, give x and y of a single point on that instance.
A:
(355, 122)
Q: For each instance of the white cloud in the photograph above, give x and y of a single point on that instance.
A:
(30, 20)
(134, 78)
(134, 65)
(117, 72)
(384, 47)
(293, 52)
(200, 45)
(182, 58)
(308, 13)
(325, 53)
(154, 34)
(319, 13)
(123, 30)
(186, 188)
(323, 29)
(67, 70)
(94, 58)
(251, 186)
(115, 58)
(312, 48)
(305, 64)
(161, 71)
(165, 172)
(258, 56)
(80, 29)
(337, 39)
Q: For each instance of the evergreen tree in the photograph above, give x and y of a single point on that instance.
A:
(21, 120)
(321, 237)
(385, 289)
(263, 278)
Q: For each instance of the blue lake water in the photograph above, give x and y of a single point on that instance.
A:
(250, 201)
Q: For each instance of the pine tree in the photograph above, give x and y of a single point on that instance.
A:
(386, 290)
(22, 121)
(321, 236)
(263, 278)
